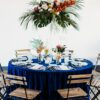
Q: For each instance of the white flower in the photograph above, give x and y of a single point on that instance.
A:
(44, 6)
(39, 7)
(57, 13)
(41, 10)
(49, 9)
(50, 1)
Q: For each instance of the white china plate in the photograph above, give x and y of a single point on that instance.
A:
(63, 67)
(53, 65)
(19, 63)
(79, 63)
(22, 58)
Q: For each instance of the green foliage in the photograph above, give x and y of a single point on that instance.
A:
(43, 17)
(36, 43)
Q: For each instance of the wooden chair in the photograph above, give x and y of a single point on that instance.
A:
(22, 52)
(76, 91)
(96, 65)
(20, 92)
(95, 88)
(95, 83)
(2, 71)
(1, 87)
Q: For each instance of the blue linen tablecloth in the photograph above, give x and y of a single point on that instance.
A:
(49, 81)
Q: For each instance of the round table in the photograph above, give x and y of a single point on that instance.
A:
(46, 80)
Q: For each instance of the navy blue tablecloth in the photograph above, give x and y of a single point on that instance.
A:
(46, 80)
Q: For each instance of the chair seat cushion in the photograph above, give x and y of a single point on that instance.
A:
(73, 92)
(20, 92)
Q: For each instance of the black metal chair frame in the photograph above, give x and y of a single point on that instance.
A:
(69, 86)
(74, 98)
(3, 87)
(6, 94)
(95, 95)
(98, 59)
(93, 88)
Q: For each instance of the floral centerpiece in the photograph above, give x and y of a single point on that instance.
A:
(59, 50)
(46, 52)
(38, 45)
(58, 11)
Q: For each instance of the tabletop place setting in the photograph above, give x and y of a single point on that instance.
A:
(59, 59)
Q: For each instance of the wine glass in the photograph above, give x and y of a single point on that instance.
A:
(66, 59)
(48, 60)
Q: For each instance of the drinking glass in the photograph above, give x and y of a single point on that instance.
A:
(48, 60)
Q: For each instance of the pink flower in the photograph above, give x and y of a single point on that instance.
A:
(58, 46)
(36, 9)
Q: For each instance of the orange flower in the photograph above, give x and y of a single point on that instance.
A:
(59, 9)
(58, 56)
(73, 2)
(39, 50)
(49, 6)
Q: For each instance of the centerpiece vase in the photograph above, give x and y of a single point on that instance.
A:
(39, 57)
(58, 58)
(39, 54)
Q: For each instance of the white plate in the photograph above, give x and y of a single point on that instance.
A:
(53, 65)
(22, 58)
(79, 63)
(19, 63)
(79, 59)
(63, 67)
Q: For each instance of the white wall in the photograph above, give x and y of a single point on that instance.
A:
(85, 42)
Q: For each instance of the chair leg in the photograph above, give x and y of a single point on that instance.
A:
(95, 95)
(91, 91)
(0, 94)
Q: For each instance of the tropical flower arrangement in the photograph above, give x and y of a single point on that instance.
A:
(38, 45)
(59, 49)
(45, 12)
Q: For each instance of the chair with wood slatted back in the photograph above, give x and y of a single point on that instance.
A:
(2, 71)
(76, 91)
(22, 52)
(20, 92)
(97, 66)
